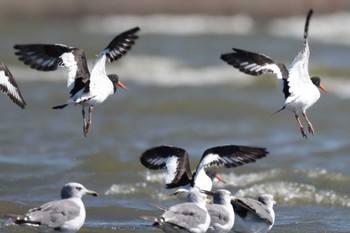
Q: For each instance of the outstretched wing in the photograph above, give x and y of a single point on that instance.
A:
(121, 44)
(299, 67)
(254, 63)
(230, 156)
(48, 57)
(118, 47)
(173, 159)
(9, 86)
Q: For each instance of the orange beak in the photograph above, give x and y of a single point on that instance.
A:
(122, 85)
(323, 88)
(220, 179)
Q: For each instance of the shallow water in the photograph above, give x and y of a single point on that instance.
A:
(181, 94)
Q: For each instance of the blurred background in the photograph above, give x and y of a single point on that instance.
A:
(82, 8)
(181, 94)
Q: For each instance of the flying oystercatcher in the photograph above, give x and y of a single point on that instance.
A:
(300, 91)
(84, 88)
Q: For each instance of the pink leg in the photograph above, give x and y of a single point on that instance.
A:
(311, 128)
(301, 126)
(84, 122)
(89, 120)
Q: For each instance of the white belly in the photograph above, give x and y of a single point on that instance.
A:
(302, 100)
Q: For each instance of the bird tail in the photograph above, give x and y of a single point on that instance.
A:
(163, 208)
(279, 110)
(153, 219)
(60, 106)
(149, 218)
(19, 219)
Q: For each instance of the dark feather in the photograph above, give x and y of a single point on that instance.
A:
(121, 44)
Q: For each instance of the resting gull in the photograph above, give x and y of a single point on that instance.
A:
(221, 211)
(66, 215)
(254, 216)
(191, 216)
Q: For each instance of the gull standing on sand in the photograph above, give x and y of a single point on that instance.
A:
(300, 91)
(176, 162)
(66, 215)
(85, 89)
(253, 216)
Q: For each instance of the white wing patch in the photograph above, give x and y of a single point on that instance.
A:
(299, 72)
(171, 166)
(69, 62)
(256, 69)
(273, 68)
(98, 70)
(11, 90)
(208, 159)
(4, 80)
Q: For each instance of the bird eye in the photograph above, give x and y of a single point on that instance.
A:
(78, 188)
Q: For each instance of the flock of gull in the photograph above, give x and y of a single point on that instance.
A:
(204, 210)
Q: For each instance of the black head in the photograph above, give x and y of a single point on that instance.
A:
(214, 175)
(317, 82)
(115, 80)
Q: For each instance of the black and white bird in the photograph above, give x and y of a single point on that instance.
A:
(300, 91)
(189, 217)
(85, 88)
(222, 216)
(66, 215)
(175, 161)
(253, 216)
(8, 86)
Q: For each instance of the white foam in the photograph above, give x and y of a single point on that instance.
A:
(328, 28)
(171, 24)
(292, 193)
(165, 71)
(120, 189)
(245, 180)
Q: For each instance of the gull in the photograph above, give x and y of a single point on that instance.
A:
(66, 215)
(253, 216)
(191, 216)
(221, 211)
(300, 91)
(176, 162)
(85, 89)
(8, 86)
